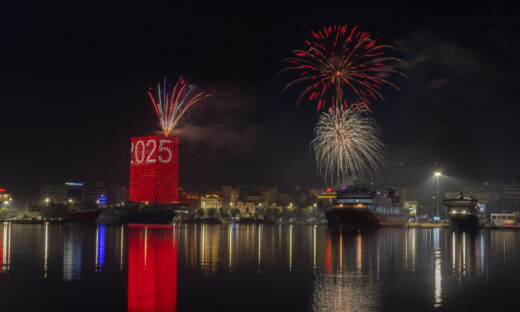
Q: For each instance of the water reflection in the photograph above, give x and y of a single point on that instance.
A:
(438, 276)
(346, 282)
(72, 255)
(100, 248)
(5, 241)
(152, 269)
(137, 267)
(468, 254)
(46, 250)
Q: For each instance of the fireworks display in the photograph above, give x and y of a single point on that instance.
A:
(347, 145)
(171, 105)
(341, 66)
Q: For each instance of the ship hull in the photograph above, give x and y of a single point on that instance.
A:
(152, 216)
(82, 215)
(364, 218)
(464, 222)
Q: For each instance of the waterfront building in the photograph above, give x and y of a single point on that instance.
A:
(326, 197)
(5, 198)
(75, 192)
(254, 196)
(505, 219)
(118, 195)
(190, 201)
(245, 208)
(512, 191)
(270, 194)
(231, 195)
(210, 201)
(55, 193)
(93, 191)
(285, 199)
(411, 206)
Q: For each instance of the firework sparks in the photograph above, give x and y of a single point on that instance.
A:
(341, 64)
(171, 105)
(347, 146)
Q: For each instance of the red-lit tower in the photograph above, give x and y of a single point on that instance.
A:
(154, 166)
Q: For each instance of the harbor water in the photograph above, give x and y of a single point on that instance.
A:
(233, 267)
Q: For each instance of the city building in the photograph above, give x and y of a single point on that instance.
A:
(94, 191)
(55, 193)
(254, 196)
(505, 219)
(270, 194)
(512, 191)
(326, 197)
(74, 192)
(118, 196)
(5, 199)
(484, 193)
(210, 201)
(411, 206)
(246, 208)
(230, 194)
(285, 199)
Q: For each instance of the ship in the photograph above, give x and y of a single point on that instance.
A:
(463, 212)
(360, 206)
(70, 215)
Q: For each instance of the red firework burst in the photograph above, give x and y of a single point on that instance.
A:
(344, 66)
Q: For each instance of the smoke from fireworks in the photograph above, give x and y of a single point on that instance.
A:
(341, 64)
(171, 105)
(347, 146)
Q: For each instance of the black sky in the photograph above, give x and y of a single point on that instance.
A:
(74, 77)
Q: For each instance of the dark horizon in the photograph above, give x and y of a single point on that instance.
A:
(75, 75)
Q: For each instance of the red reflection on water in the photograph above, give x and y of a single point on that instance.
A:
(1, 252)
(152, 270)
(328, 254)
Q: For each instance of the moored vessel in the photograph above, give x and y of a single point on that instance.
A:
(70, 215)
(463, 212)
(359, 206)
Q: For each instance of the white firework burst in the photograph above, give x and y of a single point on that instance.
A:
(347, 146)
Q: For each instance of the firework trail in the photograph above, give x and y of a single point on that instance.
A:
(171, 105)
(341, 64)
(347, 146)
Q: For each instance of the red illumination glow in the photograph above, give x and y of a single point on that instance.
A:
(2, 190)
(151, 226)
(329, 190)
(328, 255)
(152, 270)
(153, 169)
(1, 253)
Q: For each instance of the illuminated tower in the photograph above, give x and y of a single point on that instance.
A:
(154, 166)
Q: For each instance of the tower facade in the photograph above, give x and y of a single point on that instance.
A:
(154, 166)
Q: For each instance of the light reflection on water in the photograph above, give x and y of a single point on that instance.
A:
(278, 267)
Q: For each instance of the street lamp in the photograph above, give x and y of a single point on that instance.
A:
(437, 175)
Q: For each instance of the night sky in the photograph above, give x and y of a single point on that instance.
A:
(74, 77)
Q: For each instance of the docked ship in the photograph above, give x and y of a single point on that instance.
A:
(463, 212)
(70, 215)
(362, 207)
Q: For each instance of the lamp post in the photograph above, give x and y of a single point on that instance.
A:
(437, 175)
